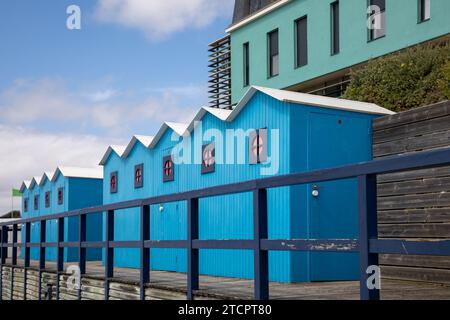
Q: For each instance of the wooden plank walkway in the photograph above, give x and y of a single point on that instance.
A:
(232, 288)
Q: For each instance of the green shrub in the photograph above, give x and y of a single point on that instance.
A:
(409, 79)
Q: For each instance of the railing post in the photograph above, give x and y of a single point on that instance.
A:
(59, 254)
(193, 254)
(145, 252)
(2, 258)
(261, 257)
(42, 238)
(14, 257)
(14, 241)
(109, 252)
(368, 229)
(4, 249)
(26, 258)
(81, 250)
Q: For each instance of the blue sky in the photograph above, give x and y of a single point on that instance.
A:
(66, 94)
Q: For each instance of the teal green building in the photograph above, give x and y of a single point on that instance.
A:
(310, 46)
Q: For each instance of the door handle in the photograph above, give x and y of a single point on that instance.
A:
(315, 192)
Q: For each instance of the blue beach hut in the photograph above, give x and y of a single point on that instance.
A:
(284, 132)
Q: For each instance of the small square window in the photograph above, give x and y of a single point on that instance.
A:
(36, 202)
(258, 146)
(208, 158)
(139, 176)
(60, 196)
(47, 199)
(168, 169)
(25, 205)
(113, 182)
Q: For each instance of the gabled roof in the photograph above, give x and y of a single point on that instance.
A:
(46, 176)
(75, 172)
(178, 128)
(221, 114)
(35, 181)
(144, 140)
(119, 150)
(182, 129)
(25, 185)
(310, 100)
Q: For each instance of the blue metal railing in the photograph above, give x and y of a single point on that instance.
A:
(368, 245)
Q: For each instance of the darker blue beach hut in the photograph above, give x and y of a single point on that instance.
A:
(65, 189)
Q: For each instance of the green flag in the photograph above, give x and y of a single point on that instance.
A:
(16, 193)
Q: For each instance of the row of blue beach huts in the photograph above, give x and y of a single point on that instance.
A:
(269, 132)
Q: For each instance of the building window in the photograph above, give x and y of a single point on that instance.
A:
(168, 169)
(273, 53)
(47, 199)
(139, 176)
(60, 196)
(424, 10)
(113, 182)
(208, 158)
(301, 39)
(335, 41)
(36, 202)
(258, 146)
(246, 52)
(377, 19)
(25, 205)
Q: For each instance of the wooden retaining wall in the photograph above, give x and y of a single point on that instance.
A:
(91, 288)
(414, 205)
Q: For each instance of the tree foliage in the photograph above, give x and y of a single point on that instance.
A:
(409, 79)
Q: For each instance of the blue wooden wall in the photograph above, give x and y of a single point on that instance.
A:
(77, 193)
(230, 217)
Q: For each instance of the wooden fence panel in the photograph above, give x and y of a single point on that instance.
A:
(415, 204)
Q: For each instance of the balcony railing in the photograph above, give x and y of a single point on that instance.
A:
(368, 245)
(220, 73)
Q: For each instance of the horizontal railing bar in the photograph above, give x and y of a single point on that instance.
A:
(49, 244)
(311, 245)
(125, 244)
(69, 244)
(407, 247)
(224, 244)
(166, 244)
(32, 245)
(94, 244)
(419, 160)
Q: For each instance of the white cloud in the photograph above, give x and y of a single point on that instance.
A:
(101, 96)
(43, 125)
(159, 19)
(25, 153)
(48, 103)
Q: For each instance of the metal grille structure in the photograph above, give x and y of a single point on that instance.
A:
(220, 73)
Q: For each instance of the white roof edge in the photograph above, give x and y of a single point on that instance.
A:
(78, 172)
(25, 185)
(144, 140)
(119, 150)
(34, 181)
(221, 114)
(256, 15)
(310, 100)
(46, 176)
(178, 128)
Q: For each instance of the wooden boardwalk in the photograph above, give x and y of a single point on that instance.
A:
(173, 285)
